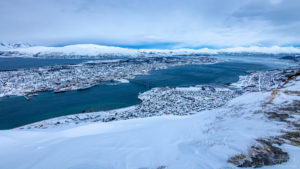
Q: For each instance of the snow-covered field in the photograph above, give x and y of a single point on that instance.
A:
(204, 140)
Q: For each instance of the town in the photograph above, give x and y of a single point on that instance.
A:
(155, 102)
(181, 100)
(62, 78)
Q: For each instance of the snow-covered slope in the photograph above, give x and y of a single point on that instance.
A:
(94, 51)
(202, 141)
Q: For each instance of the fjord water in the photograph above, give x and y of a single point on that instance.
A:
(22, 63)
(16, 111)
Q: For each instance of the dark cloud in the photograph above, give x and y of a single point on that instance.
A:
(278, 12)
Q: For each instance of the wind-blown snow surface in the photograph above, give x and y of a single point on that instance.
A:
(94, 51)
(204, 140)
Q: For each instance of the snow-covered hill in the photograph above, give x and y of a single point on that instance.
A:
(97, 51)
(254, 129)
(9, 46)
(94, 51)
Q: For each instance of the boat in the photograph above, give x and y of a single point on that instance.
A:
(60, 91)
(26, 97)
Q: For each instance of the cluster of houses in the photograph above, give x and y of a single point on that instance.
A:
(62, 78)
(266, 80)
(155, 102)
(181, 100)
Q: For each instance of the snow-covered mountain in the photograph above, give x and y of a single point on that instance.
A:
(9, 46)
(98, 51)
(95, 51)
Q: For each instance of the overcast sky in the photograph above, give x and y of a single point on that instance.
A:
(166, 23)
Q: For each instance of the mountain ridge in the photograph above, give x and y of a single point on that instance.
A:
(98, 51)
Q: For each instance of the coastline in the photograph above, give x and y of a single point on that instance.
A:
(167, 101)
(264, 122)
(88, 74)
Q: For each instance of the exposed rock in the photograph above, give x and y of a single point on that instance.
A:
(264, 152)
(261, 154)
(277, 116)
(292, 137)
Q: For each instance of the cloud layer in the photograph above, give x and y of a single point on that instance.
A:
(188, 23)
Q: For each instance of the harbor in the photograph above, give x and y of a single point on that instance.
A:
(16, 111)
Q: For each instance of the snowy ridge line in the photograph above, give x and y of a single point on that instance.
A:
(98, 51)
(8, 45)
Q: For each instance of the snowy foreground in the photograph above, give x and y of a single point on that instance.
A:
(254, 129)
(98, 51)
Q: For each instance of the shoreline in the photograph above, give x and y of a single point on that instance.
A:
(255, 129)
(155, 94)
(87, 74)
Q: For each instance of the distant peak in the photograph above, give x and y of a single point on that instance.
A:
(10, 45)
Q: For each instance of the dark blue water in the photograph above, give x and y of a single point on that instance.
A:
(22, 63)
(17, 111)
(215, 74)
